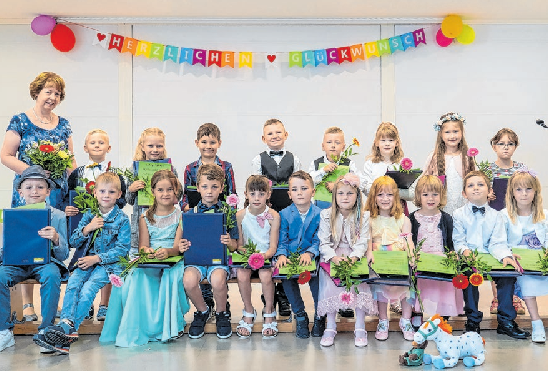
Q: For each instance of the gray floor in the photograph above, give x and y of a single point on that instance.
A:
(283, 353)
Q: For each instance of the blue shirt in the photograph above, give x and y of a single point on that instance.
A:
(218, 208)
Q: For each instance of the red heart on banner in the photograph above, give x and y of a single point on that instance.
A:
(271, 57)
(101, 36)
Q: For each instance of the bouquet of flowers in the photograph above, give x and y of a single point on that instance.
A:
(53, 157)
(463, 264)
(85, 200)
(345, 155)
(128, 266)
(482, 166)
(254, 259)
(413, 256)
(344, 271)
(229, 208)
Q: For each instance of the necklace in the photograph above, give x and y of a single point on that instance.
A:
(39, 119)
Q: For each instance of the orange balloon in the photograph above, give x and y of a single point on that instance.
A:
(452, 26)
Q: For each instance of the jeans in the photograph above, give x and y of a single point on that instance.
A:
(505, 291)
(49, 277)
(82, 287)
(293, 292)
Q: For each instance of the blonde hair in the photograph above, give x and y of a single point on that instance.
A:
(95, 131)
(109, 178)
(524, 179)
(139, 153)
(42, 80)
(157, 177)
(333, 130)
(386, 130)
(356, 215)
(380, 184)
(272, 122)
(430, 183)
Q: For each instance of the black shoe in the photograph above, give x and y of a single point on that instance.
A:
(197, 327)
(228, 309)
(319, 327)
(90, 313)
(284, 308)
(303, 332)
(511, 329)
(346, 313)
(471, 326)
(211, 306)
(224, 328)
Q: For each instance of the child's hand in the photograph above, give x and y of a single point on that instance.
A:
(71, 211)
(281, 262)
(305, 259)
(491, 195)
(136, 185)
(329, 186)
(147, 250)
(226, 240)
(330, 167)
(337, 259)
(161, 254)
(96, 223)
(370, 258)
(512, 262)
(354, 259)
(466, 252)
(49, 233)
(184, 245)
(88, 261)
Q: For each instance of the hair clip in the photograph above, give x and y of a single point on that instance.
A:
(451, 117)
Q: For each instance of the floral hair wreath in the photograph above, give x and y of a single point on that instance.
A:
(351, 179)
(445, 118)
(525, 169)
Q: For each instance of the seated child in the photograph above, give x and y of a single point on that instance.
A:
(478, 227)
(104, 249)
(34, 186)
(299, 225)
(211, 179)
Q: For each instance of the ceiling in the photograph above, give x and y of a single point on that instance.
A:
(377, 11)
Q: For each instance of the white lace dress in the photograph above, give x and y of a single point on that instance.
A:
(453, 178)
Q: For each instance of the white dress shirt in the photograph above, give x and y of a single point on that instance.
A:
(92, 173)
(256, 162)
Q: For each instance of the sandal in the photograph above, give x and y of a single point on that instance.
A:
(244, 325)
(29, 317)
(360, 341)
(270, 326)
(328, 340)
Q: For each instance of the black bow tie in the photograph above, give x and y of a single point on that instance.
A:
(480, 209)
(276, 153)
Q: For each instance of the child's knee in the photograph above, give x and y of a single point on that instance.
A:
(243, 275)
(191, 278)
(218, 279)
(266, 276)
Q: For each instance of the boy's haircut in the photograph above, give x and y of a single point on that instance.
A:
(386, 130)
(42, 80)
(476, 173)
(301, 174)
(381, 183)
(333, 130)
(109, 178)
(208, 129)
(211, 172)
(502, 132)
(96, 131)
(272, 122)
(177, 189)
(524, 179)
(139, 153)
(430, 183)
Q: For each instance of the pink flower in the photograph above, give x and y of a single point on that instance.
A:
(405, 235)
(233, 200)
(256, 261)
(346, 298)
(406, 164)
(115, 280)
(472, 152)
(275, 272)
(270, 183)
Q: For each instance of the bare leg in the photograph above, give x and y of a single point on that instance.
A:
(191, 282)
(383, 310)
(27, 293)
(244, 285)
(105, 294)
(406, 309)
(218, 283)
(494, 289)
(268, 291)
(532, 307)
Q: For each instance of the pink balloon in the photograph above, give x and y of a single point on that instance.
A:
(442, 40)
(42, 25)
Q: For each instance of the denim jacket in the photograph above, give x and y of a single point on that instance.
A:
(112, 241)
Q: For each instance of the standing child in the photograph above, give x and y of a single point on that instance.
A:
(210, 186)
(387, 224)
(478, 227)
(151, 304)
(436, 228)
(299, 225)
(343, 233)
(527, 228)
(106, 246)
(259, 224)
(450, 158)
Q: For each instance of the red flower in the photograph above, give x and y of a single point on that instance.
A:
(90, 187)
(460, 281)
(46, 148)
(304, 277)
(476, 279)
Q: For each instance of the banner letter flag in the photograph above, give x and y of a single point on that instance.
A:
(199, 57)
(116, 42)
(419, 37)
(332, 55)
(245, 59)
(344, 54)
(186, 55)
(320, 56)
(396, 44)
(143, 48)
(130, 45)
(157, 51)
(295, 59)
(101, 39)
(171, 53)
(371, 49)
(356, 52)
(308, 58)
(214, 58)
(384, 47)
(408, 40)
(227, 59)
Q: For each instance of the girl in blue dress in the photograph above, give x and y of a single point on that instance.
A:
(151, 303)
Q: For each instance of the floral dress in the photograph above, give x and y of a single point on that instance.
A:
(30, 135)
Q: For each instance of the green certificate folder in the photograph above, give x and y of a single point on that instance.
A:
(433, 263)
(497, 270)
(145, 171)
(322, 194)
(238, 260)
(529, 260)
(283, 272)
(360, 270)
(391, 263)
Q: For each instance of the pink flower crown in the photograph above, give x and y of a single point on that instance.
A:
(351, 179)
(525, 169)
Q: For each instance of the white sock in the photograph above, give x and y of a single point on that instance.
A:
(537, 325)
(360, 319)
(331, 321)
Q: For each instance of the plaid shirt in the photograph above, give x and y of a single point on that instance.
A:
(191, 173)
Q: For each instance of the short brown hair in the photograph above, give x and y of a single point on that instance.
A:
(333, 130)
(272, 122)
(476, 173)
(502, 132)
(110, 178)
(208, 129)
(44, 79)
(430, 183)
(211, 172)
(301, 174)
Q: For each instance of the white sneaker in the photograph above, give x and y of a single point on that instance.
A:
(539, 334)
(6, 339)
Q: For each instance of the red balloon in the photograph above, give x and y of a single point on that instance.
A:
(63, 38)
(441, 39)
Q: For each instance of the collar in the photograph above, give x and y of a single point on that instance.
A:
(217, 161)
(107, 217)
(103, 164)
(203, 208)
(469, 206)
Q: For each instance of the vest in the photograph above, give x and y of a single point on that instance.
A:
(319, 161)
(277, 173)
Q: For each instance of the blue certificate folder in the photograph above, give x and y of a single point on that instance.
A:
(204, 232)
(22, 244)
(73, 220)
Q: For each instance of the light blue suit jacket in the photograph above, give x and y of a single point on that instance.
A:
(296, 235)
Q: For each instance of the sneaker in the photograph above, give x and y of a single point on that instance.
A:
(518, 305)
(102, 313)
(494, 306)
(539, 334)
(224, 328)
(90, 313)
(29, 317)
(46, 347)
(63, 333)
(471, 326)
(284, 308)
(197, 326)
(48, 350)
(382, 330)
(319, 327)
(407, 330)
(346, 313)
(302, 330)
(6, 339)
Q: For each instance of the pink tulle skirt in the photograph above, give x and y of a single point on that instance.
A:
(439, 297)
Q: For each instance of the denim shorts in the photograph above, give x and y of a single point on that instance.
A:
(206, 271)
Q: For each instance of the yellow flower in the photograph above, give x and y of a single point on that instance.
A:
(355, 142)
(63, 155)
